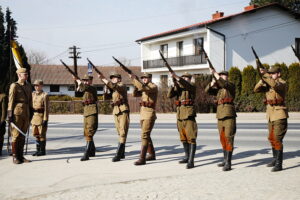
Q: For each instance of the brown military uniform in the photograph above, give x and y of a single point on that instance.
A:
(226, 115)
(148, 93)
(3, 113)
(20, 108)
(40, 101)
(120, 109)
(277, 113)
(90, 111)
(185, 94)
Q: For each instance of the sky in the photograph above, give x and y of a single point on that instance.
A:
(105, 28)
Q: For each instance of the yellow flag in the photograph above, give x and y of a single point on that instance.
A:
(16, 54)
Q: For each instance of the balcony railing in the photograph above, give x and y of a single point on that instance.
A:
(175, 61)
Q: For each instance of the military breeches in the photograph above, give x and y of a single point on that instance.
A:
(90, 127)
(188, 130)
(146, 125)
(39, 132)
(277, 131)
(122, 125)
(22, 122)
(227, 129)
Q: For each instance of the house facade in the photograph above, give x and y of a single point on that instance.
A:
(270, 29)
(58, 81)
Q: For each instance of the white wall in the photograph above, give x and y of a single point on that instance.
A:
(215, 49)
(260, 30)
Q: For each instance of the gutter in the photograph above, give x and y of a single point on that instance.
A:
(224, 48)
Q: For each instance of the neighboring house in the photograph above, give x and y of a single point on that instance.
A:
(58, 81)
(270, 29)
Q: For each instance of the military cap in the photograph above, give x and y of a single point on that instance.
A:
(38, 82)
(21, 70)
(186, 74)
(224, 73)
(115, 75)
(274, 69)
(146, 75)
(87, 77)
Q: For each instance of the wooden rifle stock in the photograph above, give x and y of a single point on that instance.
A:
(123, 66)
(69, 70)
(98, 72)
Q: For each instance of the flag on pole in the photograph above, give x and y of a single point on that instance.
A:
(16, 54)
(90, 69)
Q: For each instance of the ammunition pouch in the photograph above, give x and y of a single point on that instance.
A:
(119, 102)
(187, 102)
(274, 102)
(88, 102)
(147, 104)
(225, 101)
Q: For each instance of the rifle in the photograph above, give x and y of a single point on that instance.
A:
(69, 70)
(98, 72)
(168, 66)
(123, 66)
(297, 55)
(258, 63)
(166, 62)
(209, 63)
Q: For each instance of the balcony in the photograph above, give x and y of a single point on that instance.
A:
(175, 61)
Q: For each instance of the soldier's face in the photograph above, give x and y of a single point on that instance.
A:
(38, 88)
(146, 80)
(115, 80)
(275, 76)
(224, 77)
(23, 76)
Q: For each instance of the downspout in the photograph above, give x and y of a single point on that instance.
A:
(224, 39)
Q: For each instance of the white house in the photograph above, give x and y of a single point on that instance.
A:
(270, 29)
(58, 81)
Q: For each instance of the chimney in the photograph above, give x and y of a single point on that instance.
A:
(251, 7)
(217, 15)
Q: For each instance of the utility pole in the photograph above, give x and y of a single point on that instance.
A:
(74, 54)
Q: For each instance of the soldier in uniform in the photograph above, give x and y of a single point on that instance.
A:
(90, 114)
(226, 115)
(3, 113)
(20, 113)
(120, 111)
(185, 93)
(40, 117)
(148, 93)
(275, 89)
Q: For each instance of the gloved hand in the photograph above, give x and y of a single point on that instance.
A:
(45, 123)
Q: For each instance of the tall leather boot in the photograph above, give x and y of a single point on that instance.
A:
(150, 151)
(21, 149)
(1, 144)
(190, 163)
(123, 152)
(14, 150)
(142, 159)
(118, 155)
(272, 163)
(224, 160)
(227, 166)
(42, 151)
(278, 162)
(87, 152)
(38, 148)
(93, 149)
(186, 148)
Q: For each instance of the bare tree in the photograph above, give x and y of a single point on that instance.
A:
(36, 57)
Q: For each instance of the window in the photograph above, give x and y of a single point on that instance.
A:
(164, 50)
(128, 88)
(99, 88)
(297, 46)
(180, 48)
(54, 88)
(164, 80)
(198, 44)
(71, 88)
